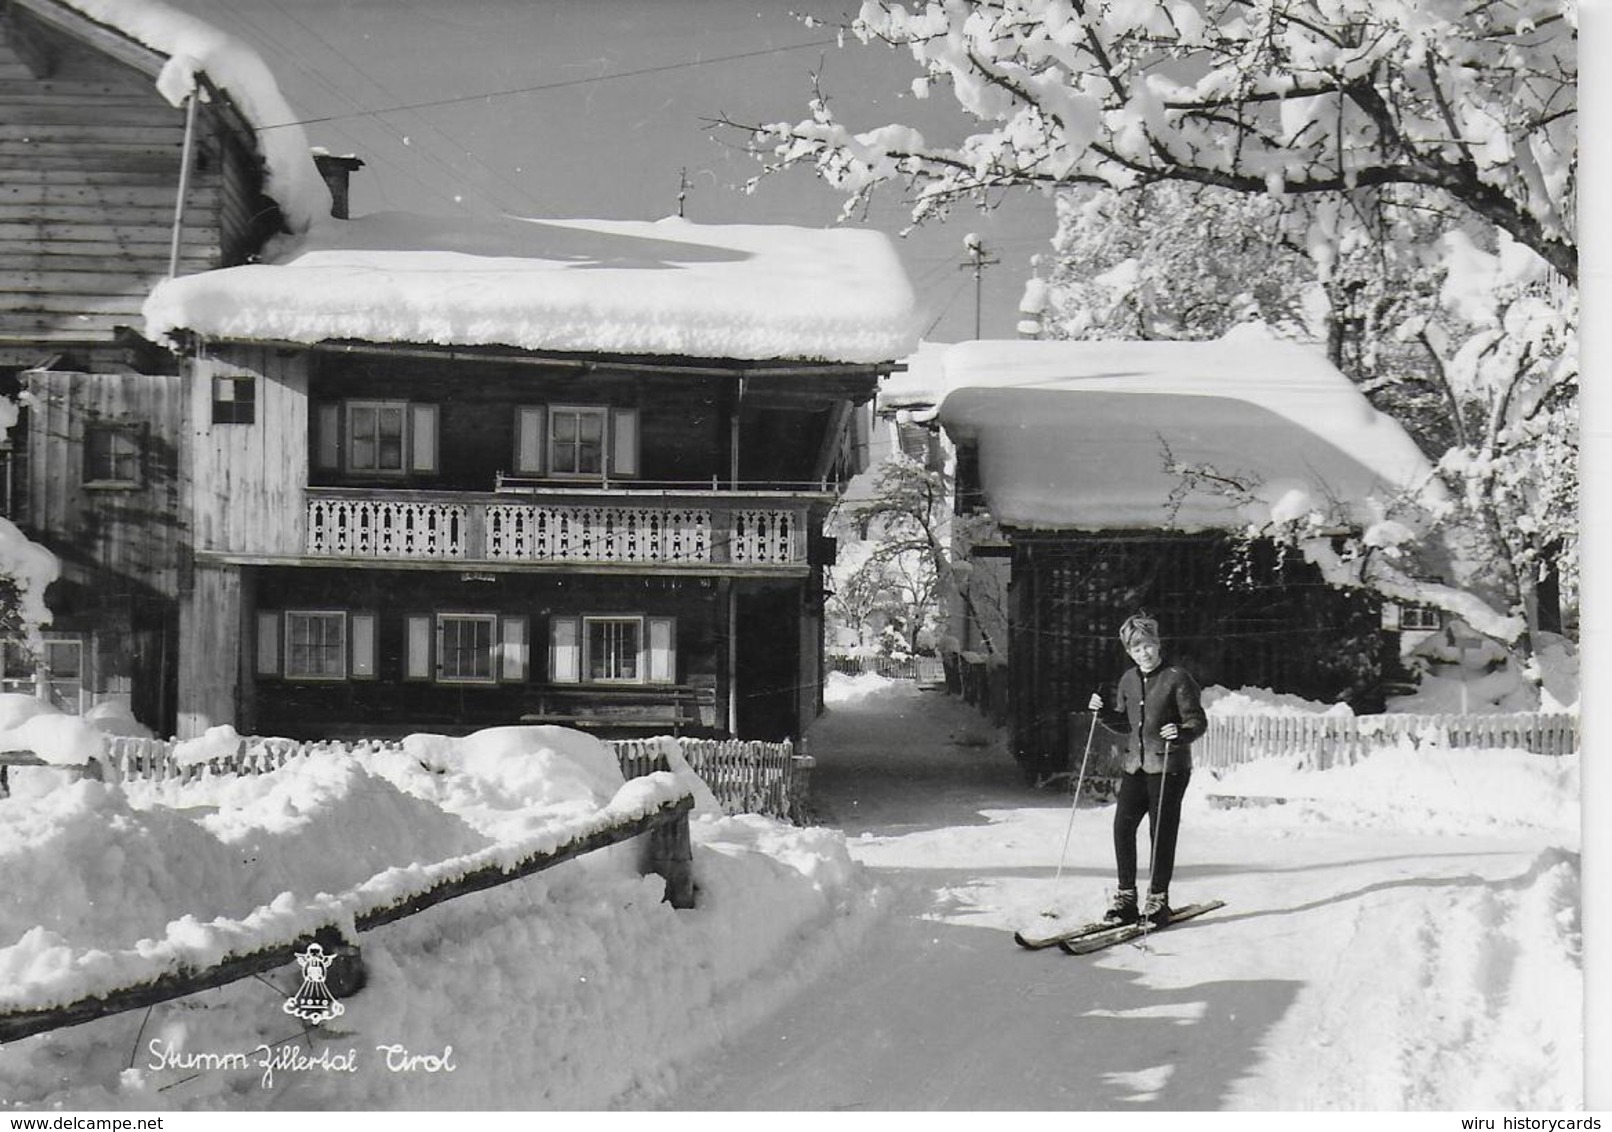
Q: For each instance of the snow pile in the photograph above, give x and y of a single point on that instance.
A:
(1434, 790)
(669, 287)
(568, 989)
(194, 47)
(1481, 677)
(1471, 1003)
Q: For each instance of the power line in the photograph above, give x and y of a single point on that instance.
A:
(559, 85)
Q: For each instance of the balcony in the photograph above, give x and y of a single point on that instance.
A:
(638, 527)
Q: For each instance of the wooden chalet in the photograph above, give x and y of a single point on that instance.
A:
(105, 190)
(1065, 444)
(394, 533)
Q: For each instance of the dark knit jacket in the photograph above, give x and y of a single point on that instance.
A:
(1143, 704)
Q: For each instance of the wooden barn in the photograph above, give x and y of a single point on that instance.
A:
(1124, 475)
(106, 189)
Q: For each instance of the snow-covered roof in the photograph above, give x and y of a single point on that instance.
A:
(667, 287)
(194, 47)
(1072, 435)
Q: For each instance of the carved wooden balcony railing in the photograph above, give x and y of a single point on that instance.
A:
(618, 528)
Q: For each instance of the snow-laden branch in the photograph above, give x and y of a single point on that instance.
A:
(1257, 96)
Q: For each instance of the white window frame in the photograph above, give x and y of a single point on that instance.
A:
(41, 671)
(552, 448)
(1420, 619)
(292, 616)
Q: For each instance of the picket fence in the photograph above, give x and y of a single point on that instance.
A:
(924, 669)
(747, 776)
(1324, 741)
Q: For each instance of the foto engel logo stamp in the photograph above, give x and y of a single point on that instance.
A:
(313, 1001)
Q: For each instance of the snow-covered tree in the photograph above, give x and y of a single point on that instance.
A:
(911, 529)
(1385, 138)
(1476, 101)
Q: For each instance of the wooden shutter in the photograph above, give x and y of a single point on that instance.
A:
(327, 436)
(529, 426)
(565, 651)
(422, 438)
(268, 644)
(361, 631)
(512, 648)
(624, 442)
(662, 650)
(419, 648)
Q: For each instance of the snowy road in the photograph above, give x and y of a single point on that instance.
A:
(1427, 958)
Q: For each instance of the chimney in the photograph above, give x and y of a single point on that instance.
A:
(336, 170)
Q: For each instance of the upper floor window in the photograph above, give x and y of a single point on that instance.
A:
(112, 455)
(375, 438)
(576, 441)
(234, 399)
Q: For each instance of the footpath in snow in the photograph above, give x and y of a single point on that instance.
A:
(1401, 935)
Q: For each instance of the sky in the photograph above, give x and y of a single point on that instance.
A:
(600, 110)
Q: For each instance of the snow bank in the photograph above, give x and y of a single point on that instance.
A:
(569, 989)
(669, 287)
(1434, 790)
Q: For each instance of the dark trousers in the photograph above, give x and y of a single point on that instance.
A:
(1139, 794)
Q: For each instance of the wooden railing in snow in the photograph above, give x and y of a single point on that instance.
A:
(669, 854)
(1323, 741)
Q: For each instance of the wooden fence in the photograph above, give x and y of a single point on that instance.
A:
(926, 669)
(1323, 741)
(747, 776)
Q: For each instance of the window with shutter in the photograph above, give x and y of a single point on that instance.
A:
(268, 644)
(418, 665)
(362, 631)
(624, 442)
(512, 649)
(662, 650)
(529, 430)
(565, 651)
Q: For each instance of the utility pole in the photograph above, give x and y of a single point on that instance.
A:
(682, 189)
(978, 261)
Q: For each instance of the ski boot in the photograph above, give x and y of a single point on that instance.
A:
(1122, 909)
(1156, 909)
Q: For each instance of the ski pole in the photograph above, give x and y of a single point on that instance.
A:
(1158, 826)
(1080, 782)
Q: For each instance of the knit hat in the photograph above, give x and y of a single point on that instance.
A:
(1138, 627)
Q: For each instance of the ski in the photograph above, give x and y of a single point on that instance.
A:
(1096, 941)
(1054, 934)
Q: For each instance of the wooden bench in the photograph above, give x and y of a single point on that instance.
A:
(674, 707)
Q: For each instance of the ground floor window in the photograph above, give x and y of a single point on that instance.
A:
(466, 648)
(316, 645)
(612, 649)
(56, 670)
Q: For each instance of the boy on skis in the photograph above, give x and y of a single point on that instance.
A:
(1158, 706)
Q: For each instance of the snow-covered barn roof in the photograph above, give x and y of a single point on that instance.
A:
(193, 47)
(667, 287)
(1073, 435)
